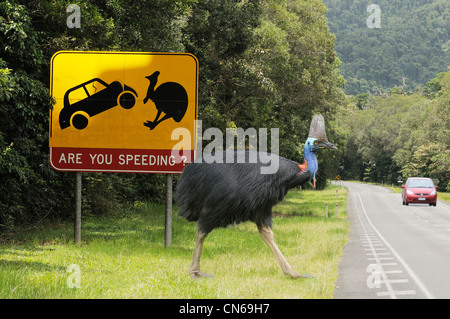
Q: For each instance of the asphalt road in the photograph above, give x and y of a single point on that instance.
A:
(394, 251)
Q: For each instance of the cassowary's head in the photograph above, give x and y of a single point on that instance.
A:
(317, 137)
(314, 144)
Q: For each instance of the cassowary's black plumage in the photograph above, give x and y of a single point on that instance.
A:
(218, 195)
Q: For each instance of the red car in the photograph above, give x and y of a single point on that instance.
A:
(419, 190)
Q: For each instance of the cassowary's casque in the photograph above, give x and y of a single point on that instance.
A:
(221, 194)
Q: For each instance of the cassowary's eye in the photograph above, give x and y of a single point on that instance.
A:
(316, 142)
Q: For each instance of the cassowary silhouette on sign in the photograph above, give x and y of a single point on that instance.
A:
(220, 194)
(169, 98)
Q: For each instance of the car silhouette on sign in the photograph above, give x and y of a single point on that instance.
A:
(97, 97)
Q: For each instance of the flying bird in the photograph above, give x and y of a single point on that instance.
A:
(221, 194)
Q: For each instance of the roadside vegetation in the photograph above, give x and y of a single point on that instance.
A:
(387, 139)
(263, 64)
(408, 50)
(123, 255)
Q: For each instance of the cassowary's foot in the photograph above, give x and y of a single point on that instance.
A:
(199, 274)
(150, 124)
(295, 275)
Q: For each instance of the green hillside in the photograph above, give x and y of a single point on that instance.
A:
(411, 46)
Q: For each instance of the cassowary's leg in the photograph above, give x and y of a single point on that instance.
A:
(195, 266)
(267, 235)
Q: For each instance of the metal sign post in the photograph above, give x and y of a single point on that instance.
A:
(77, 228)
(168, 212)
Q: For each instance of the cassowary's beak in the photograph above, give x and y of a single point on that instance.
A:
(327, 145)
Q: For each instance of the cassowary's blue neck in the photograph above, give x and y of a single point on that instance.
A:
(311, 159)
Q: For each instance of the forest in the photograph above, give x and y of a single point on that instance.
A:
(263, 64)
(411, 45)
(387, 139)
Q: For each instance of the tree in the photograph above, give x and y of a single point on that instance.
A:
(405, 135)
(263, 63)
(412, 43)
(28, 186)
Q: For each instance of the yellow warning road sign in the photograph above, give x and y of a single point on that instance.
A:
(116, 111)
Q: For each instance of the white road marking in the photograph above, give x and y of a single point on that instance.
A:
(393, 271)
(382, 258)
(397, 293)
(398, 281)
(390, 291)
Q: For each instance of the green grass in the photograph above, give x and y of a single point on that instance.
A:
(444, 196)
(123, 256)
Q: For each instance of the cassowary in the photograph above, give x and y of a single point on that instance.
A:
(220, 194)
(170, 98)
